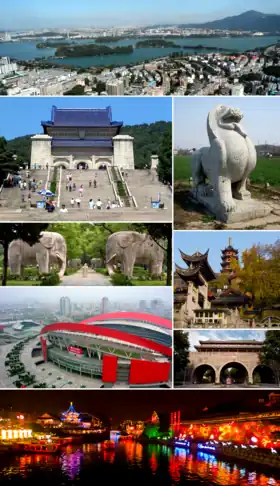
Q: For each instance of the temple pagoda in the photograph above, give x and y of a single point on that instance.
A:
(228, 254)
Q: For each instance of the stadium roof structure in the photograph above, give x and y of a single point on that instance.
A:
(133, 316)
(108, 334)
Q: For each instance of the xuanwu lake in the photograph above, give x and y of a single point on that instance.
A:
(27, 51)
(130, 463)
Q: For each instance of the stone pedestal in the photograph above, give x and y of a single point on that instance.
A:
(123, 152)
(154, 162)
(245, 210)
(41, 151)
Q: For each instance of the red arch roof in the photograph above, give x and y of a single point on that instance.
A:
(109, 333)
(137, 316)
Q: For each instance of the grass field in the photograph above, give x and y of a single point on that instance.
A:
(267, 170)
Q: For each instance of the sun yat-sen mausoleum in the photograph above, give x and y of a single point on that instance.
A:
(86, 138)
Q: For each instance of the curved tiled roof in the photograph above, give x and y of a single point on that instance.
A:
(109, 333)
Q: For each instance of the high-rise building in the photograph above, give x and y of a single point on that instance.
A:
(65, 306)
(115, 87)
(156, 306)
(105, 305)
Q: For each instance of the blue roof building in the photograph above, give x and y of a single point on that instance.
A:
(86, 137)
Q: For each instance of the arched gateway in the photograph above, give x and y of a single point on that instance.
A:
(230, 363)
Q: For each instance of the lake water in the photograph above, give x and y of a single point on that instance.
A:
(27, 50)
(130, 464)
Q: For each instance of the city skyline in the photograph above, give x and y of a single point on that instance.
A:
(131, 111)
(84, 14)
(113, 404)
(216, 241)
(190, 117)
(10, 295)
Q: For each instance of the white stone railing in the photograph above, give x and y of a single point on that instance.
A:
(59, 187)
(127, 188)
(113, 185)
(48, 177)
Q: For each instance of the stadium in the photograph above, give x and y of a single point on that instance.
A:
(121, 347)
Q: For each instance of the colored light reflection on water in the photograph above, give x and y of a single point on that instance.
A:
(130, 463)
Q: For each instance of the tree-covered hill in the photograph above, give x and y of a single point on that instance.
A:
(148, 140)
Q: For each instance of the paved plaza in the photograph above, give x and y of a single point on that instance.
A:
(92, 279)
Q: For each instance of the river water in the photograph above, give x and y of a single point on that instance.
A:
(25, 51)
(130, 464)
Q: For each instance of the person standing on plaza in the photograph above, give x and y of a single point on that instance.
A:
(72, 202)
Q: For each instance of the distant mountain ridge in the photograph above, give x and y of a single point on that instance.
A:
(251, 20)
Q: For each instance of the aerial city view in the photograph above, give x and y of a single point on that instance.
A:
(140, 243)
(175, 49)
(85, 338)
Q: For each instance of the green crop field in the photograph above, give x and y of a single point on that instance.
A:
(267, 170)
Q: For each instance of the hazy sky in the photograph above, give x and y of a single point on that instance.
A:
(224, 335)
(23, 116)
(23, 14)
(261, 119)
(20, 295)
(191, 241)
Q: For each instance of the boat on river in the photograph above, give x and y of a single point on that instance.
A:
(34, 447)
(109, 445)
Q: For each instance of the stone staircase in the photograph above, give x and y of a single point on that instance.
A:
(144, 186)
(11, 197)
(104, 190)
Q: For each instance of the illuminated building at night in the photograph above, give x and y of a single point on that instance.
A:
(132, 348)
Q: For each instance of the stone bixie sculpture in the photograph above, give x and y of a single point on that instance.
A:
(220, 172)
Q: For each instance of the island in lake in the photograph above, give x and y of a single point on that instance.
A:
(156, 43)
(85, 50)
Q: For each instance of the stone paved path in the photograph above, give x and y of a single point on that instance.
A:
(93, 279)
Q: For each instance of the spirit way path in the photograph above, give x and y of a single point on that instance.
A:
(93, 279)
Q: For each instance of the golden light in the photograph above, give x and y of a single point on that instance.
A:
(15, 434)
(21, 434)
(4, 434)
(10, 434)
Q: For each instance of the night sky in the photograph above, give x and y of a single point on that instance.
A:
(130, 404)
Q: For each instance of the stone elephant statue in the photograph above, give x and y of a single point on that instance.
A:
(51, 249)
(127, 248)
(97, 263)
(74, 263)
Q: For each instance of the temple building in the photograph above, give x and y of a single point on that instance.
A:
(82, 138)
(228, 254)
(195, 305)
(192, 285)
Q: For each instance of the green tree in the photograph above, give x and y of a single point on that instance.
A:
(271, 348)
(164, 168)
(30, 233)
(78, 90)
(100, 86)
(181, 354)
